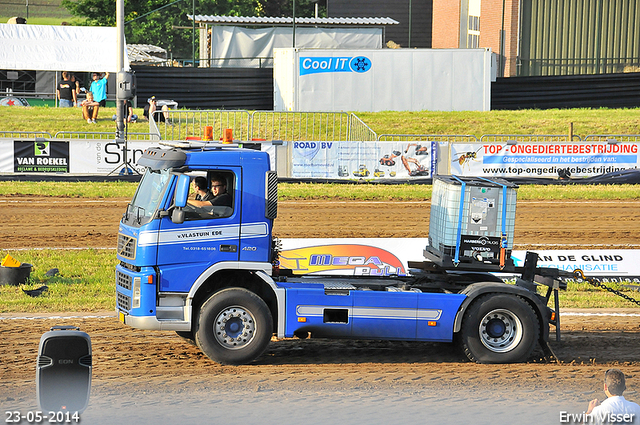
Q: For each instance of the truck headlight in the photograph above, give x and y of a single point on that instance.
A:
(135, 299)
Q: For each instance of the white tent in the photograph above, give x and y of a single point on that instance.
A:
(236, 46)
(58, 48)
(226, 41)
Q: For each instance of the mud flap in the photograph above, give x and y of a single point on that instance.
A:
(549, 354)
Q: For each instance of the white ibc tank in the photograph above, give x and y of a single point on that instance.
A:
(472, 219)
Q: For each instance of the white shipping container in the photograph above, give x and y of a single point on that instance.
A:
(375, 80)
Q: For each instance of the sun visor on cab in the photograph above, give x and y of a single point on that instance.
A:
(159, 159)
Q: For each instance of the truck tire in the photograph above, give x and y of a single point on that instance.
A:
(234, 326)
(499, 328)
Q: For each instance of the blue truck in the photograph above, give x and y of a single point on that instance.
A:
(210, 274)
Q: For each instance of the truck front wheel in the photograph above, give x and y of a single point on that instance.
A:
(499, 329)
(234, 326)
(187, 336)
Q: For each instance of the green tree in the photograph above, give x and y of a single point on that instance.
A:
(161, 27)
(277, 8)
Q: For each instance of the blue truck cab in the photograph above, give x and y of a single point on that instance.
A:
(207, 272)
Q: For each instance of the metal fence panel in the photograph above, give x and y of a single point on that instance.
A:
(190, 124)
(358, 130)
(103, 135)
(292, 126)
(175, 124)
(25, 134)
(612, 138)
(529, 138)
(451, 138)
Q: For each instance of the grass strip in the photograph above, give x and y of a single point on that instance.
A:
(71, 189)
(85, 282)
(528, 121)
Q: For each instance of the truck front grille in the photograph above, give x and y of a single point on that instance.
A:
(123, 280)
(127, 246)
(123, 302)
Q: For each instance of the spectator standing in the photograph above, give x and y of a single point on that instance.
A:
(76, 84)
(99, 88)
(66, 92)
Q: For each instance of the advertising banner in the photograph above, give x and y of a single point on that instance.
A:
(606, 265)
(40, 156)
(368, 160)
(105, 156)
(579, 159)
(6, 156)
(69, 156)
(354, 257)
(390, 256)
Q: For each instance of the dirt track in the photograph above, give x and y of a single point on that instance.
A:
(154, 377)
(76, 222)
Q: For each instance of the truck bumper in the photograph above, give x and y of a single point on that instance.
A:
(136, 302)
(152, 323)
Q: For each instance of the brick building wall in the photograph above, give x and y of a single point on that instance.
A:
(445, 32)
(491, 28)
(448, 15)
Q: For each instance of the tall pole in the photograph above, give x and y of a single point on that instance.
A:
(410, 13)
(120, 69)
(294, 23)
(193, 32)
(502, 55)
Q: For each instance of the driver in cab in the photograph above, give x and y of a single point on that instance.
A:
(217, 196)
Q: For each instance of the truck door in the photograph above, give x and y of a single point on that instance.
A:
(255, 233)
(208, 235)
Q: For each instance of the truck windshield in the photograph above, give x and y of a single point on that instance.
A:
(145, 202)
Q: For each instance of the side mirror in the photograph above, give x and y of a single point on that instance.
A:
(182, 191)
(177, 215)
(180, 199)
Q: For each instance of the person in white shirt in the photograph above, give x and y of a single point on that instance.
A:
(615, 409)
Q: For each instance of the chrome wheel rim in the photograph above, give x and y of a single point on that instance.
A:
(234, 327)
(500, 331)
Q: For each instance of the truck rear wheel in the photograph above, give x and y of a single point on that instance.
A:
(234, 326)
(499, 329)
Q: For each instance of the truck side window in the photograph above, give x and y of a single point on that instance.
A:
(210, 197)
